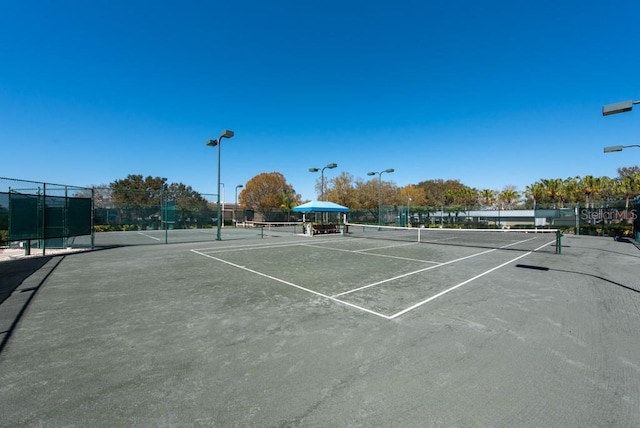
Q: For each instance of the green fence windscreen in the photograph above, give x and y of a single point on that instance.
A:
(25, 221)
(44, 217)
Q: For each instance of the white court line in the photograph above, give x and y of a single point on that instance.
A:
(364, 287)
(412, 273)
(367, 254)
(386, 246)
(252, 246)
(292, 284)
(417, 305)
(388, 317)
(149, 236)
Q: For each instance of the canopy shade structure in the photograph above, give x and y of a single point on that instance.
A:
(320, 207)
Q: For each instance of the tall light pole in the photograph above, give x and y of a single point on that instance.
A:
(235, 220)
(390, 170)
(612, 149)
(330, 166)
(227, 133)
(223, 195)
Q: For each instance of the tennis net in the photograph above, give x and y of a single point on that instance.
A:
(506, 239)
(275, 226)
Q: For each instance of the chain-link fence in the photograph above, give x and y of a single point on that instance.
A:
(46, 215)
(43, 215)
(611, 218)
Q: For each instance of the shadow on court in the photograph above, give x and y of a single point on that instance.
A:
(13, 272)
(546, 269)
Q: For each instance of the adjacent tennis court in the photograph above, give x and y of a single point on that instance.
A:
(383, 271)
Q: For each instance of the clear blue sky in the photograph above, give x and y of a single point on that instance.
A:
(491, 93)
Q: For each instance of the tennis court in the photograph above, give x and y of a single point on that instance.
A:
(385, 273)
(291, 330)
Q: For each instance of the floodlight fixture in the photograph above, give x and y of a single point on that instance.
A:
(329, 166)
(612, 149)
(621, 107)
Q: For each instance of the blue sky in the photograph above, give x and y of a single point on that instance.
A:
(491, 93)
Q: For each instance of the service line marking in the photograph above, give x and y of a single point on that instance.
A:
(369, 254)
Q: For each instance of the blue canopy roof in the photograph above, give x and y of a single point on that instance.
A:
(320, 207)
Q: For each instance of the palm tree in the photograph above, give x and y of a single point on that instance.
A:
(627, 188)
(553, 190)
(590, 186)
(536, 192)
(508, 196)
(487, 197)
(572, 189)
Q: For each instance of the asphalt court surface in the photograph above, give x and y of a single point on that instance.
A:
(291, 331)
(380, 277)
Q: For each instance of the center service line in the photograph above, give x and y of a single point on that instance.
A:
(292, 284)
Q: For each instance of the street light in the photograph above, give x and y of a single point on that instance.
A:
(621, 107)
(612, 149)
(330, 166)
(212, 143)
(390, 170)
(235, 221)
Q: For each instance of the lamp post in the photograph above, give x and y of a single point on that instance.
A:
(390, 170)
(227, 133)
(223, 195)
(330, 166)
(612, 149)
(235, 220)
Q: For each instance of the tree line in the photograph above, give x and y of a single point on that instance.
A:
(552, 193)
(269, 195)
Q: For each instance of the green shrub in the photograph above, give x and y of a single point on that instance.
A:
(610, 230)
(4, 237)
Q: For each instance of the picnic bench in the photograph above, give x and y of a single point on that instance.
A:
(325, 228)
